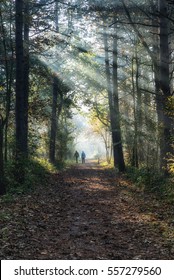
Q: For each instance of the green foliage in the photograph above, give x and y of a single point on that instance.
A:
(36, 172)
(59, 164)
(171, 168)
(152, 181)
(104, 163)
(170, 106)
(171, 163)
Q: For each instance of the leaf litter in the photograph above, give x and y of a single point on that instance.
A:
(86, 212)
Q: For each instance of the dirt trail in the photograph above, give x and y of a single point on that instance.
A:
(86, 212)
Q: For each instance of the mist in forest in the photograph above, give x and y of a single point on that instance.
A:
(86, 139)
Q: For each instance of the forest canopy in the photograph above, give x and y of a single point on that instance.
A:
(114, 58)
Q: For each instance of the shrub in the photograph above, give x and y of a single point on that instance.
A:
(36, 172)
(150, 180)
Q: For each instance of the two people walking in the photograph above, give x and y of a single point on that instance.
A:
(83, 156)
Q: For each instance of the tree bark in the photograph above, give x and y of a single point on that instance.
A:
(117, 140)
(134, 159)
(26, 73)
(113, 104)
(53, 122)
(2, 183)
(53, 132)
(8, 74)
(22, 84)
(21, 141)
(167, 126)
(161, 63)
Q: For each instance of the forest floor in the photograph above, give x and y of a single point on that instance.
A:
(86, 212)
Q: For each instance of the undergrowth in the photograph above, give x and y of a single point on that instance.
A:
(152, 181)
(36, 172)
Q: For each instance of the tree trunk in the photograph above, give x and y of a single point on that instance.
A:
(162, 81)
(116, 112)
(134, 160)
(159, 104)
(113, 104)
(22, 75)
(26, 73)
(21, 141)
(8, 74)
(53, 122)
(167, 126)
(2, 183)
(109, 89)
(53, 132)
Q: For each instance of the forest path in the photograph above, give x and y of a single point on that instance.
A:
(86, 212)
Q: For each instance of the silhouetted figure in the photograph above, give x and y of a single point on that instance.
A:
(76, 155)
(83, 156)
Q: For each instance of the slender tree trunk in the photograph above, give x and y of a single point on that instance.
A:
(2, 179)
(159, 103)
(57, 15)
(139, 110)
(22, 75)
(109, 89)
(53, 122)
(158, 93)
(10, 83)
(21, 141)
(134, 160)
(114, 104)
(26, 73)
(53, 132)
(167, 149)
(162, 82)
(116, 112)
(8, 74)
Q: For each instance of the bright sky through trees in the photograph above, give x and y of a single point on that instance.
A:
(85, 137)
(114, 58)
(77, 59)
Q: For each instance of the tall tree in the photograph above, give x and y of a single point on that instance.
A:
(6, 81)
(53, 121)
(167, 149)
(22, 84)
(26, 69)
(2, 179)
(117, 139)
(114, 103)
(21, 141)
(54, 102)
(161, 61)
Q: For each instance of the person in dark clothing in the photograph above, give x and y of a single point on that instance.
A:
(83, 157)
(76, 155)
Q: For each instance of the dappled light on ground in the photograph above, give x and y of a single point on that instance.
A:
(86, 212)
